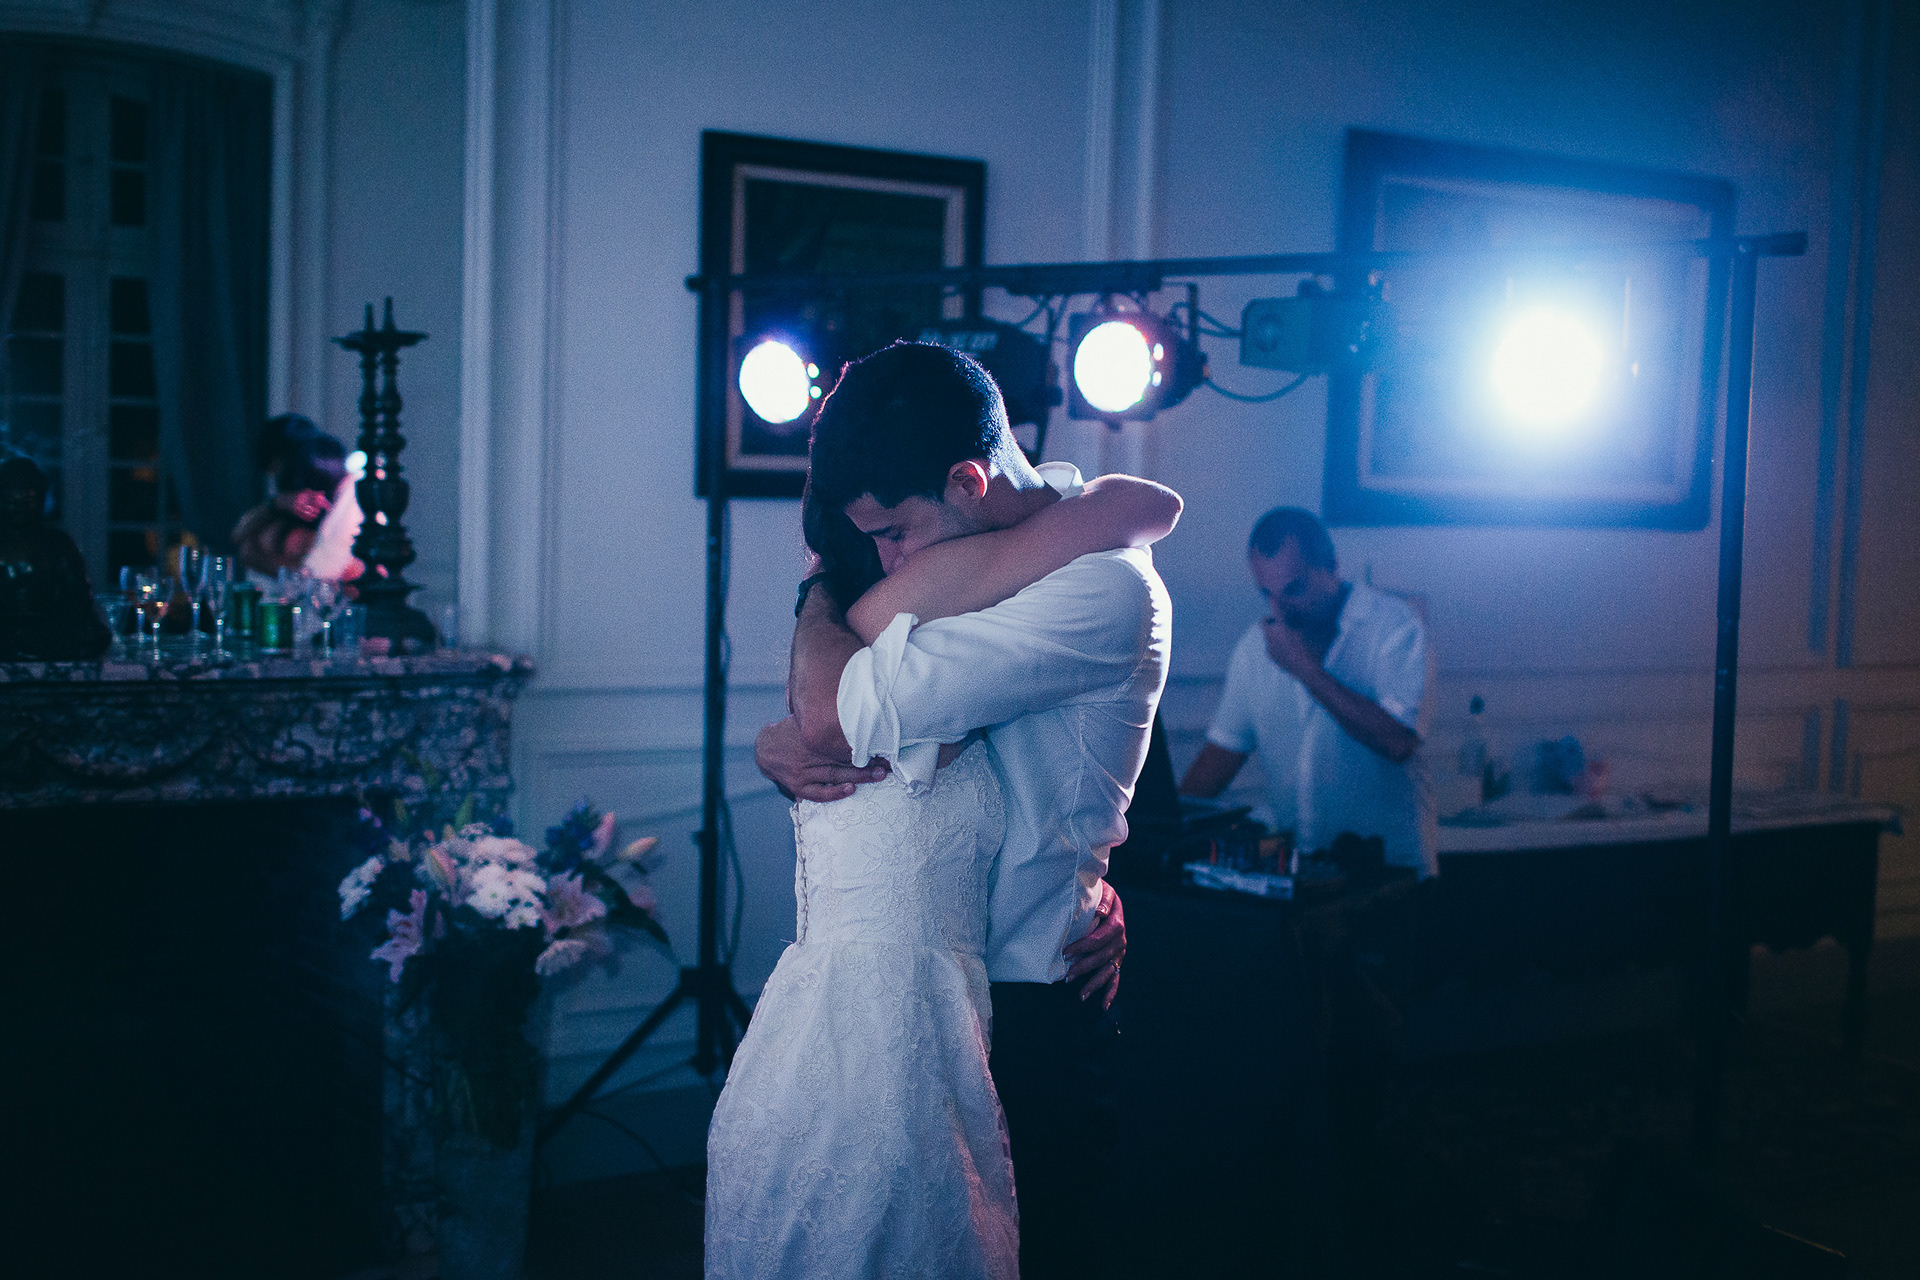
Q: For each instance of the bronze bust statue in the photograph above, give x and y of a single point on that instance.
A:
(46, 603)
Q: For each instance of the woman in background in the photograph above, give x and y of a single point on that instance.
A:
(311, 520)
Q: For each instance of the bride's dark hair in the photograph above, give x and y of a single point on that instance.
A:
(847, 556)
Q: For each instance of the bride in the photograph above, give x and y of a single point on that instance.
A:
(859, 1133)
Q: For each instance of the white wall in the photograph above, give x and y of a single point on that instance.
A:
(393, 229)
(1606, 634)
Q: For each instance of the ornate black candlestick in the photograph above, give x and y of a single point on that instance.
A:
(383, 545)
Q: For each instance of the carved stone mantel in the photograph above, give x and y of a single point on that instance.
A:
(183, 730)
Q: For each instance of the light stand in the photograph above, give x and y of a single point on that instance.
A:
(1717, 965)
(719, 1011)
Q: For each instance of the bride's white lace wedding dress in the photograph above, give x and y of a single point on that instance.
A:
(859, 1133)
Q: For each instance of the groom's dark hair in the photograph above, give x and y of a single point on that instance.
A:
(899, 419)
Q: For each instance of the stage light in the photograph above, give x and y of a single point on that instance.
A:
(1547, 367)
(1129, 365)
(776, 382)
(1112, 366)
(1315, 331)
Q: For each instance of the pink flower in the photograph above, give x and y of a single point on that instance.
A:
(642, 897)
(406, 933)
(602, 839)
(563, 954)
(443, 871)
(569, 905)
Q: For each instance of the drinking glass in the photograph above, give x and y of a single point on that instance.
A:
(192, 565)
(216, 579)
(151, 591)
(191, 558)
(325, 595)
(117, 614)
(350, 627)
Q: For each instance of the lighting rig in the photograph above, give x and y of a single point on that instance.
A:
(1541, 353)
(1546, 355)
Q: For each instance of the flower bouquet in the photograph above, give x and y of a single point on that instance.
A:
(475, 919)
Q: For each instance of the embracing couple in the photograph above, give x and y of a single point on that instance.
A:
(975, 671)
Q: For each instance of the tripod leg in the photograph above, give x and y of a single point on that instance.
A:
(585, 1093)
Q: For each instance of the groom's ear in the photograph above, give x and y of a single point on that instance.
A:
(967, 482)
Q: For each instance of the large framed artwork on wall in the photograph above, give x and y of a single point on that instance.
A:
(1572, 386)
(775, 206)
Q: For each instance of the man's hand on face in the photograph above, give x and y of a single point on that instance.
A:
(801, 773)
(1288, 648)
(1100, 951)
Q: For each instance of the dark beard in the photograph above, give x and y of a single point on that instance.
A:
(1319, 630)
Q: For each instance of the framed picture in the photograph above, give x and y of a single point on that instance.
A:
(1568, 388)
(769, 205)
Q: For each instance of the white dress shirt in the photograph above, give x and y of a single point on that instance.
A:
(1320, 780)
(1066, 676)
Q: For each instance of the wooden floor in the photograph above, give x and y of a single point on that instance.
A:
(1491, 1162)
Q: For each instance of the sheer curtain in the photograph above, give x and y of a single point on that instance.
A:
(212, 133)
(19, 113)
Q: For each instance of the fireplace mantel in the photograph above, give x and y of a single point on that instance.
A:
(186, 729)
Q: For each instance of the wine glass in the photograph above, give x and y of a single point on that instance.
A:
(192, 564)
(216, 579)
(151, 591)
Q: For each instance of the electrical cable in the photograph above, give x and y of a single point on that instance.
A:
(1246, 399)
(1044, 304)
(739, 878)
(666, 1170)
(643, 1081)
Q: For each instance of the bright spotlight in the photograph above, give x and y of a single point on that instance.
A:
(1129, 365)
(775, 382)
(1547, 367)
(1113, 367)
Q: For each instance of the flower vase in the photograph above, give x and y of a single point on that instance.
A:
(484, 1195)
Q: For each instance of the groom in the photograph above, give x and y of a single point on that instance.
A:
(914, 447)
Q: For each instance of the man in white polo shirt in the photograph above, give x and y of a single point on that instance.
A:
(1327, 690)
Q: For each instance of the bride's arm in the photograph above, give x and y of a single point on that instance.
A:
(963, 575)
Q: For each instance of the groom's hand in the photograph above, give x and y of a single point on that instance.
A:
(1101, 950)
(803, 774)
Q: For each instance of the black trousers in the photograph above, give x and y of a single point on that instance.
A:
(1056, 1065)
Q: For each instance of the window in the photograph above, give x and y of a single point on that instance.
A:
(135, 370)
(80, 345)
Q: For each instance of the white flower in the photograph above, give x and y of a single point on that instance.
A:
(563, 954)
(491, 899)
(358, 885)
(501, 892)
(503, 850)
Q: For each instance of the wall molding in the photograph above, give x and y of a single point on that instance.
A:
(509, 329)
(1853, 221)
(473, 581)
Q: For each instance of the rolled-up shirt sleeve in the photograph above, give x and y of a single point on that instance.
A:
(1081, 628)
(1400, 674)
